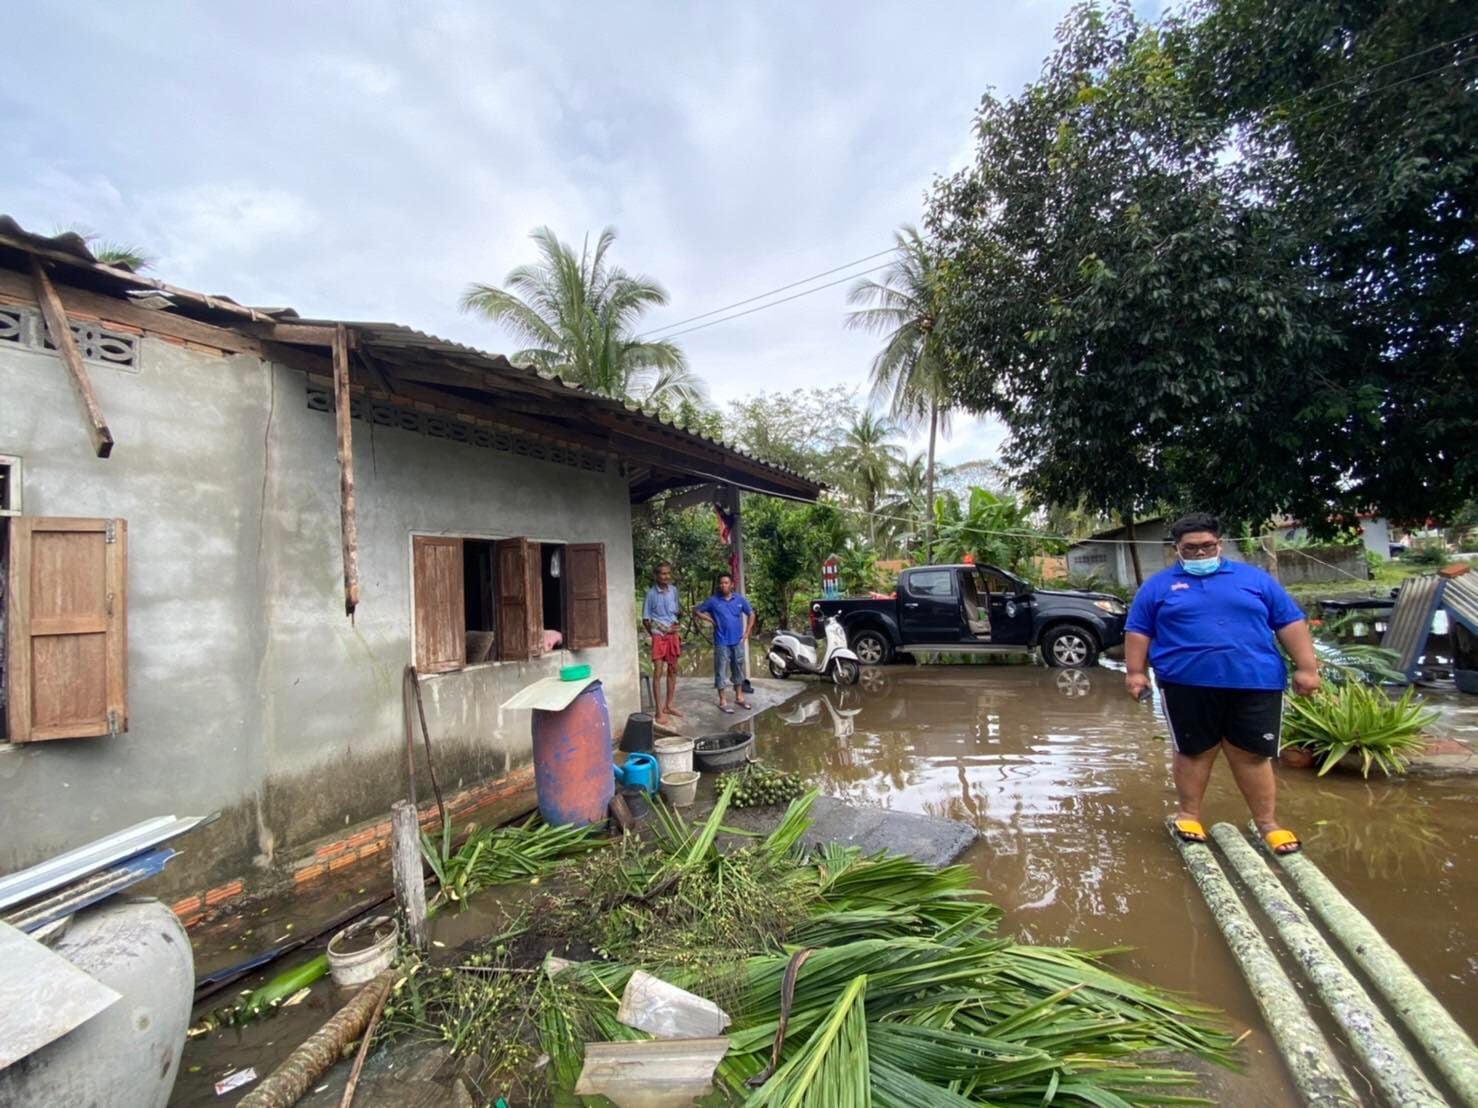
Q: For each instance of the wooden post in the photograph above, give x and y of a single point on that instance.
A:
(405, 862)
(736, 538)
(66, 345)
(346, 470)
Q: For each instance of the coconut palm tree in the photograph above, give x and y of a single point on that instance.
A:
(907, 373)
(908, 503)
(867, 456)
(579, 315)
(116, 254)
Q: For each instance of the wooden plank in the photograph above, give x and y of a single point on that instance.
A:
(405, 865)
(306, 334)
(67, 631)
(440, 615)
(520, 591)
(348, 526)
(585, 570)
(66, 345)
(82, 303)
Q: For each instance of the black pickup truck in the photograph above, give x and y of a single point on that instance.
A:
(977, 610)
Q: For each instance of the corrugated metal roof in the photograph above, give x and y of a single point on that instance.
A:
(1411, 621)
(1460, 598)
(71, 249)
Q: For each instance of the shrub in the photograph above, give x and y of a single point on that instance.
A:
(1427, 552)
(1354, 717)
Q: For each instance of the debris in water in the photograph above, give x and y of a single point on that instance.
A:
(298, 997)
(235, 1080)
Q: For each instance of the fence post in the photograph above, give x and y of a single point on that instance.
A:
(405, 859)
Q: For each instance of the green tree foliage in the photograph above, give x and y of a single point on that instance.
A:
(1358, 124)
(908, 372)
(786, 544)
(868, 457)
(800, 430)
(992, 528)
(688, 538)
(579, 314)
(1186, 269)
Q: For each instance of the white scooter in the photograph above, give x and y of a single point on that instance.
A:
(791, 652)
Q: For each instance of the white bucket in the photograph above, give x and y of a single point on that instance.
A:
(359, 967)
(673, 756)
(680, 788)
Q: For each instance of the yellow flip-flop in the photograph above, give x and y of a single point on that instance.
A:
(1281, 838)
(1190, 830)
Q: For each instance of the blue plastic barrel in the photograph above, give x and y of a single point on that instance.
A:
(572, 760)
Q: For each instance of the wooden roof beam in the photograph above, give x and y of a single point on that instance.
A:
(61, 336)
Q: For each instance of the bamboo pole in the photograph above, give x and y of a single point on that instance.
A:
(1373, 1039)
(286, 1084)
(1311, 1062)
(1447, 1044)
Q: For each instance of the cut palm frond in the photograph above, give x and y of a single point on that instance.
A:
(831, 1068)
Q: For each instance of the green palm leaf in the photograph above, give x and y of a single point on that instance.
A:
(831, 1070)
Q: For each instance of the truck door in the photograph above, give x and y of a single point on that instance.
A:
(1010, 606)
(929, 606)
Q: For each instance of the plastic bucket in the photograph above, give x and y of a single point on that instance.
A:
(637, 738)
(572, 761)
(673, 755)
(680, 788)
(358, 967)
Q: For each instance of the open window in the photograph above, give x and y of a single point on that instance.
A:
(65, 615)
(508, 600)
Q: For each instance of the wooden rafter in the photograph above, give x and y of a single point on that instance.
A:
(346, 469)
(66, 345)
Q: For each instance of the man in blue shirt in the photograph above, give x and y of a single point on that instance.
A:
(1211, 628)
(733, 620)
(659, 615)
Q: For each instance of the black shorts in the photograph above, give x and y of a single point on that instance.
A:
(1200, 717)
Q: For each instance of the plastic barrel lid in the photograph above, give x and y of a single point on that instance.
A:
(574, 673)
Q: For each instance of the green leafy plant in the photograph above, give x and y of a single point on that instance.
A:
(1354, 717)
(494, 855)
(1426, 552)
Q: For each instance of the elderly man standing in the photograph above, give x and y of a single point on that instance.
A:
(1211, 628)
(659, 615)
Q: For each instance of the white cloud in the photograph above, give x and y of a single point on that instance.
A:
(735, 148)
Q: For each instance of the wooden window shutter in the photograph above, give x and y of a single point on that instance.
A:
(520, 592)
(585, 592)
(441, 620)
(68, 628)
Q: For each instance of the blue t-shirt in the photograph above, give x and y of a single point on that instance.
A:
(730, 617)
(1217, 630)
(661, 606)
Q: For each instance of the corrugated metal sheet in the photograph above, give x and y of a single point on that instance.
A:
(71, 249)
(77, 864)
(36, 914)
(1411, 621)
(1460, 599)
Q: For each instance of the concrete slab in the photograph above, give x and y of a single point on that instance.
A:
(698, 702)
(927, 839)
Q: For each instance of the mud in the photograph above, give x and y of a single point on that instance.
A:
(1068, 781)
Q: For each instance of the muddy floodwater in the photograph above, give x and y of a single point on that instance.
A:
(1068, 782)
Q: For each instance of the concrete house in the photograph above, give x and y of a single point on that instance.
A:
(228, 532)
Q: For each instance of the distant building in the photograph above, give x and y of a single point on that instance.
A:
(1375, 533)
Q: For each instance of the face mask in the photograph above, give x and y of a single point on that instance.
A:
(1200, 566)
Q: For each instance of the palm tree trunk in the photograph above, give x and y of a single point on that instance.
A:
(929, 485)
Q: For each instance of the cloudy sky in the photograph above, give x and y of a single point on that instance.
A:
(368, 168)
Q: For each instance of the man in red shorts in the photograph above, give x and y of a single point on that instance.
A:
(659, 615)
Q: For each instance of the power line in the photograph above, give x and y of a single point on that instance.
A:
(1372, 69)
(772, 292)
(777, 303)
(1444, 67)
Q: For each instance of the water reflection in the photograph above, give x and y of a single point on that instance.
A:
(1068, 781)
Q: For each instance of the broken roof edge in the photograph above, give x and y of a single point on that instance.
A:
(70, 248)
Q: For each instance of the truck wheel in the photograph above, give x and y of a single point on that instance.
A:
(1069, 647)
(871, 648)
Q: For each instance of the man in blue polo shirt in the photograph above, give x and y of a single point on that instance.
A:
(1211, 628)
(733, 620)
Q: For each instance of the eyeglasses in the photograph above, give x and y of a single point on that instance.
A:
(1199, 549)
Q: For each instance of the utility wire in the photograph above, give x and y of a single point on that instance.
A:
(1371, 70)
(1443, 68)
(772, 292)
(777, 303)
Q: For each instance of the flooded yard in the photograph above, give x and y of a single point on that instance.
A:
(1068, 781)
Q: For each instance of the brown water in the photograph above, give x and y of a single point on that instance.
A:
(1068, 782)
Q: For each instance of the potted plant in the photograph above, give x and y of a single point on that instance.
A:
(1357, 725)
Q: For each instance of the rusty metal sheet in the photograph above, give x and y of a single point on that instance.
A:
(42, 996)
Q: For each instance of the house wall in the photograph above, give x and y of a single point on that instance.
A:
(250, 692)
(1375, 535)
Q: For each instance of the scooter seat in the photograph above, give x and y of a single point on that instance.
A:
(806, 640)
